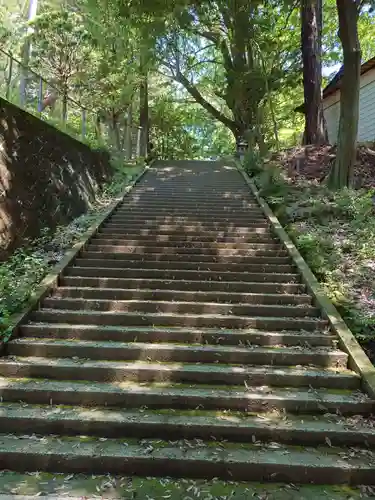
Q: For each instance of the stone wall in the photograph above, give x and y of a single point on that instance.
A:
(47, 178)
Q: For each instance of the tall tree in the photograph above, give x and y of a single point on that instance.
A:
(311, 45)
(144, 117)
(26, 49)
(224, 45)
(60, 48)
(342, 170)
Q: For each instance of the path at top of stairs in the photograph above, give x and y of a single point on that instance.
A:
(182, 343)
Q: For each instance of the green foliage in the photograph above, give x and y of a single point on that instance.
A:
(60, 46)
(223, 64)
(253, 163)
(23, 271)
(18, 277)
(335, 233)
(180, 130)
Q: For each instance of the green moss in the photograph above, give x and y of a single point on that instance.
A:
(134, 488)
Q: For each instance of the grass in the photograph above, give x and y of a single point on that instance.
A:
(28, 265)
(335, 233)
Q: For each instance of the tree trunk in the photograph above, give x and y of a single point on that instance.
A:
(311, 46)
(143, 107)
(98, 127)
(64, 112)
(342, 170)
(25, 52)
(116, 140)
(128, 133)
(263, 149)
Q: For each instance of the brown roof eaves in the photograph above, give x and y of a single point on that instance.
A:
(335, 83)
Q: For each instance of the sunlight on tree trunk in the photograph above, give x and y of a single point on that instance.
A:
(342, 170)
(143, 106)
(311, 45)
(128, 133)
(25, 51)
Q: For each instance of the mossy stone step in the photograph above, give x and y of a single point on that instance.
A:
(326, 430)
(181, 296)
(183, 396)
(179, 307)
(169, 319)
(30, 363)
(179, 335)
(321, 465)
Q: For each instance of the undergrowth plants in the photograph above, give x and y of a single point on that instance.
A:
(335, 233)
(27, 266)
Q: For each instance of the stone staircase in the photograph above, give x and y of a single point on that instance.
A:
(181, 342)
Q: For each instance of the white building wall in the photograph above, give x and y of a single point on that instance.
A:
(366, 124)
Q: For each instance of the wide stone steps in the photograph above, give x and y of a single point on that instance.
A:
(127, 394)
(180, 335)
(193, 274)
(125, 237)
(135, 232)
(116, 294)
(209, 425)
(181, 341)
(153, 306)
(170, 319)
(178, 284)
(149, 225)
(323, 356)
(201, 258)
(189, 459)
(259, 249)
(205, 266)
(101, 239)
(149, 371)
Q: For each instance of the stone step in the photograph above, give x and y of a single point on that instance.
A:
(258, 236)
(185, 285)
(222, 191)
(128, 229)
(179, 274)
(154, 306)
(185, 213)
(149, 205)
(120, 487)
(29, 365)
(104, 239)
(193, 209)
(187, 228)
(118, 351)
(92, 487)
(181, 296)
(181, 396)
(183, 217)
(208, 426)
(273, 250)
(189, 336)
(193, 230)
(184, 265)
(178, 200)
(261, 260)
(189, 207)
(322, 465)
(169, 319)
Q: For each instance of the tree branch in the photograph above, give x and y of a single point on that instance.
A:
(207, 61)
(194, 92)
